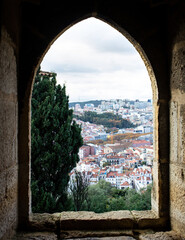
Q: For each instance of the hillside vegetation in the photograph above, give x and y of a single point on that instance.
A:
(108, 120)
(102, 197)
(82, 104)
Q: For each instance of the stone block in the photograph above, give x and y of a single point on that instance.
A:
(9, 201)
(93, 221)
(177, 196)
(3, 185)
(44, 222)
(148, 220)
(105, 238)
(182, 133)
(8, 183)
(178, 226)
(96, 235)
(177, 186)
(161, 236)
(12, 178)
(10, 231)
(155, 188)
(8, 137)
(174, 131)
(8, 69)
(177, 133)
(35, 236)
(8, 217)
(178, 68)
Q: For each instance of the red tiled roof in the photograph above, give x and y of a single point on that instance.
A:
(94, 176)
(125, 184)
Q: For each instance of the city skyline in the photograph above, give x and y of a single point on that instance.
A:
(99, 66)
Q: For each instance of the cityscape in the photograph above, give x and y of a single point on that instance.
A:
(122, 157)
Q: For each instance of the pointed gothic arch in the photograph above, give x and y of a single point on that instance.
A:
(159, 212)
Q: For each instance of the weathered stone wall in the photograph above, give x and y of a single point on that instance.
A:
(8, 136)
(162, 39)
(177, 122)
(146, 37)
(149, 39)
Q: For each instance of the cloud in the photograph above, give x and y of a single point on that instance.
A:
(97, 62)
(106, 86)
(100, 36)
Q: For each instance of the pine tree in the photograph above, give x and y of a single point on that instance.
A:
(56, 139)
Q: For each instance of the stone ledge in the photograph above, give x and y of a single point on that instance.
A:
(104, 238)
(44, 222)
(35, 236)
(171, 235)
(148, 219)
(115, 220)
(94, 221)
(127, 234)
(162, 236)
(52, 236)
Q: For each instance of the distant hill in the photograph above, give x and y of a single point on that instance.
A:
(95, 102)
(108, 120)
(82, 104)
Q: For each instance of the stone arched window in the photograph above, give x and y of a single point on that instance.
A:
(158, 216)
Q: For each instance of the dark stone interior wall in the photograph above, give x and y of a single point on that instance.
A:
(177, 119)
(8, 120)
(138, 22)
(29, 27)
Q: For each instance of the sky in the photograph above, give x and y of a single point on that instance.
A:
(96, 62)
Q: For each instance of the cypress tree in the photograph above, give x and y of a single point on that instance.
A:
(56, 139)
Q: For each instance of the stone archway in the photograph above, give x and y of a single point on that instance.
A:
(154, 61)
(28, 27)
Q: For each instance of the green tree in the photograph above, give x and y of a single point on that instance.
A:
(116, 204)
(108, 120)
(79, 190)
(103, 198)
(138, 201)
(98, 196)
(56, 139)
(97, 199)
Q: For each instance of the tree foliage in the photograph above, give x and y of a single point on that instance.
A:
(56, 139)
(79, 190)
(102, 197)
(108, 120)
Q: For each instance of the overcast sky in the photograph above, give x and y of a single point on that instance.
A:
(97, 62)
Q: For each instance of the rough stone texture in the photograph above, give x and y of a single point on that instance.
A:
(178, 197)
(105, 238)
(83, 215)
(52, 236)
(95, 234)
(144, 236)
(173, 131)
(178, 68)
(35, 236)
(148, 219)
(8, 137)
(182, 133)
(177, 131)
(160, 41)
(161, 236)
(155, 189)
(44, 222)
(84, 224)
(94, 221)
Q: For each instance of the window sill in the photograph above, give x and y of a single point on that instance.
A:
(83, 224)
